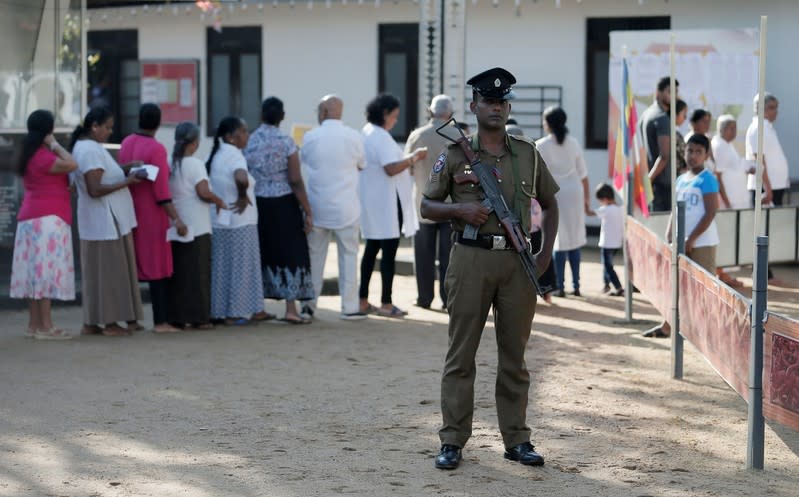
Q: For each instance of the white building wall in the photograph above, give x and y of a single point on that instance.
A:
(543, 44)
(308, 53)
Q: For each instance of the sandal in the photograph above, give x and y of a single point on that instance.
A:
(52, 334)
(90, 329)
(370, 309)
(297, 320)
(236, 321)
(395, 312)
(203, 326)
(135, 326)
(30, 332)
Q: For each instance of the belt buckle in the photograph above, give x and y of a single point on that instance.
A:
(498, 242)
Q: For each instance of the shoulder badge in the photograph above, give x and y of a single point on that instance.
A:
(439, 165)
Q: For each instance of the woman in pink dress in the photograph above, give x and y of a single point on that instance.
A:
(43, 266)
(154, 210)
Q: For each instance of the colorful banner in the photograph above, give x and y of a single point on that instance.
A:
(650, 265)
(781, 371)
(715, 319)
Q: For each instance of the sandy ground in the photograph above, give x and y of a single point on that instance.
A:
(351, 408)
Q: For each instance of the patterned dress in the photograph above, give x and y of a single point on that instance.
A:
(43, 266)
(285, 261)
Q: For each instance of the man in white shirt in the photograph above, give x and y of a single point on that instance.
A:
(731, 170)
(424, 241)
(333, 154)
(776, 180)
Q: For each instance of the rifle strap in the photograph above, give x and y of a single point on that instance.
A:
(520, 204)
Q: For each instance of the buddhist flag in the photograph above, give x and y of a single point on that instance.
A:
(629, 149)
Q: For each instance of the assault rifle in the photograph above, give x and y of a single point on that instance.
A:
(483, 175)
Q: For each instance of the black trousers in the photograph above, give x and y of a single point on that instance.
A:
(387, 263)
(661, 200)
(429, 237)
(387, 267)
(158, 298)
(777, 196)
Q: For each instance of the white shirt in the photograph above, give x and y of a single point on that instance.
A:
(611, 230)
(193, 211)
(567, 166)
(565, 161)
(692, 188)
(333, 155)
(776, 163)
(733, 171)
(379, 191)
(226, 160)
(96, 216)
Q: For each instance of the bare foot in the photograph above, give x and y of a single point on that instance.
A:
(165, 328)
(262, 316)
(114, 330)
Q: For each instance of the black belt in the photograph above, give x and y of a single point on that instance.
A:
(488, 242)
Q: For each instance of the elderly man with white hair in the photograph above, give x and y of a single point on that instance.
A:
(430, 232)
(731, 169)
(775, 165)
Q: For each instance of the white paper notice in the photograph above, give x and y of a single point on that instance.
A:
(152, 171)
(224, 217)
(172, 235)
(186, 95)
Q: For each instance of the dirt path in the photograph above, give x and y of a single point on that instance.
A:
(351, 408)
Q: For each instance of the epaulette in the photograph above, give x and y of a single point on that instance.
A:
(523, 139)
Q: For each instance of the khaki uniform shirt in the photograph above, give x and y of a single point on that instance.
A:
(536, 181)
(425, 136)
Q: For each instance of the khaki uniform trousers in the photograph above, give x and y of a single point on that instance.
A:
(476, 279)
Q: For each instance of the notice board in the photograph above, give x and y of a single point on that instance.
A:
(173, 85)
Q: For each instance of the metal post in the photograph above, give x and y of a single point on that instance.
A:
(628, 284)
(84, 64)
(678, 245)
(756, 423)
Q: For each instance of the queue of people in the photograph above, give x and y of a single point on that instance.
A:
(212, 239)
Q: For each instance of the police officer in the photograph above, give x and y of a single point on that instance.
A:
(486, 271)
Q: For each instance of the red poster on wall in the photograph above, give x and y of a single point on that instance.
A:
(173, 85)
